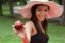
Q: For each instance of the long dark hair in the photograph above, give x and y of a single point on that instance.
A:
(34, 19)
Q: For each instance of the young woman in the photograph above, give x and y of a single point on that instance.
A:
(35, 30)
(39, 20)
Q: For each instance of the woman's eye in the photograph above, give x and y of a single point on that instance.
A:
(45, 10)
(39, 10)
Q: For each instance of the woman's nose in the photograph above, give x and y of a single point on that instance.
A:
(42, 13)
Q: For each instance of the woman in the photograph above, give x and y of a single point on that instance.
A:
(35, 30)
(38, 18)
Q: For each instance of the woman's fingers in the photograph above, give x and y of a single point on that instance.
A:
(14, 28)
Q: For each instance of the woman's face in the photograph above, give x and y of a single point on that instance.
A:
(41, 12)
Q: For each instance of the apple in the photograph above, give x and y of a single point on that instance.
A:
(18, 26)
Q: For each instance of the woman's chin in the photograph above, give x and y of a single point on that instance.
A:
(42, 19)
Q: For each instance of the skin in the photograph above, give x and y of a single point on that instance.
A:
(41, 12)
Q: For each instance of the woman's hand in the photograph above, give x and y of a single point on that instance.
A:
(25, 34)
(19, 33)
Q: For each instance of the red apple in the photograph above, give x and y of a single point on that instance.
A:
(18, 25)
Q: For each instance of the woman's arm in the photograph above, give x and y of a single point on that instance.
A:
(29, 26)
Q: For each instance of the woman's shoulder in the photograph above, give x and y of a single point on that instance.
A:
(29, 23)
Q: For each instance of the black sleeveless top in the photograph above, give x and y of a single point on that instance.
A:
(39, 38)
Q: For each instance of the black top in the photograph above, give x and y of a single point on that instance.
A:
(39, 38)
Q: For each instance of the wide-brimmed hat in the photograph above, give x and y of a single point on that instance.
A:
(55, 10)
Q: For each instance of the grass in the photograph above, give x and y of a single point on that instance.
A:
(56, 33)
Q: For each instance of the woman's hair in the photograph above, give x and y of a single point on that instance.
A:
(34, 19)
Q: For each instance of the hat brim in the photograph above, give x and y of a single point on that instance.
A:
(56, 10)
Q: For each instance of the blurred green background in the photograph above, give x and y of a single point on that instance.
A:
(56, 28)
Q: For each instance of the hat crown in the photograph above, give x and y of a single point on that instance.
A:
(40, 0)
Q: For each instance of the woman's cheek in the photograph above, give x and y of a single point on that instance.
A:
(38, 16)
